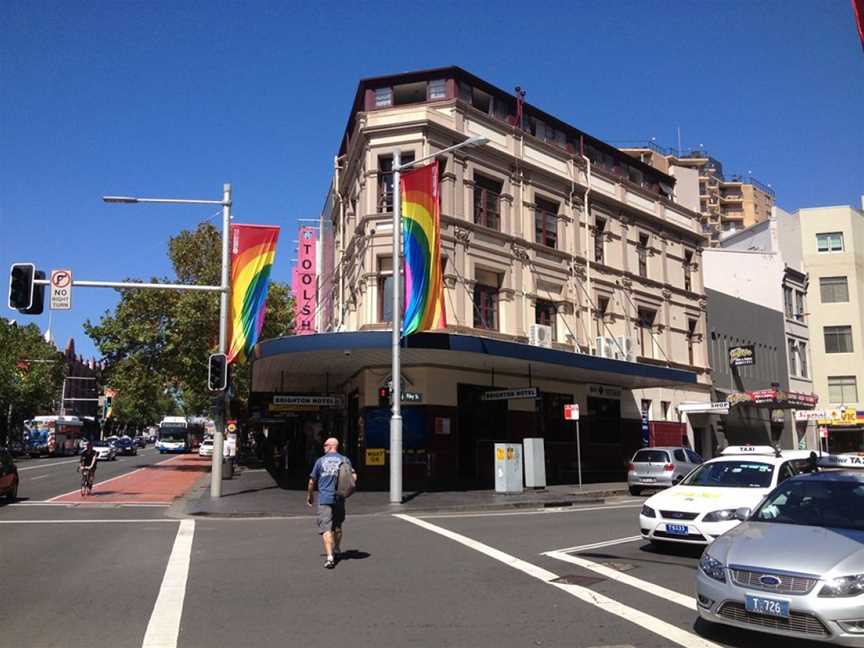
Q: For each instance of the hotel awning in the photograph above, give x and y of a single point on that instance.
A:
(322, 362)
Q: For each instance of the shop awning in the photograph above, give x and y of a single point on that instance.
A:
(774, 399)
(321, 362)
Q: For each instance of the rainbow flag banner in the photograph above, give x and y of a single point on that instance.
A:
(421, 231)
(253, 248)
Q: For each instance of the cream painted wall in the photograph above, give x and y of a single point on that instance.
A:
(849, 263)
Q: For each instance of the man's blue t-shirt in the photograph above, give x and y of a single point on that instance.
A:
(325, 473)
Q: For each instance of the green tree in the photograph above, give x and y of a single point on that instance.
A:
(156, 343)
(31, 375)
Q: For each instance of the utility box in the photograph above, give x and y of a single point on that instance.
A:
(535, 463)
(508, 468)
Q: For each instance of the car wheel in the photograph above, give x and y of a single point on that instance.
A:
(12, 495)
(635, 491)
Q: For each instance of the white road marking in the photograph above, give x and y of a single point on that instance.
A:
(39, 477)
(164, 626)
(115, 521)
(653, 624)
(595, 545)
(111, 504)
(48, 465)
(613, 574)
(559, 509)
(78, 490)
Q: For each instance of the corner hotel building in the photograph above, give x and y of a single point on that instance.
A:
(604, 261)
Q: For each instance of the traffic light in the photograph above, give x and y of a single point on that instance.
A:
(24, 295)
(217, 374)
(21, 277)
(38, 296)
(383, 397)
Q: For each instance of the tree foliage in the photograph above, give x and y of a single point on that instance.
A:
(157, 342)
(31, 374)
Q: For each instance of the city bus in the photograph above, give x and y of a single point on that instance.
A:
(172, 435)
(56, 436)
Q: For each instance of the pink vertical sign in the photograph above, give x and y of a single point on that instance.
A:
(304, 283)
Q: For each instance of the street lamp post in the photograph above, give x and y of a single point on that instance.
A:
(224, 290)
(396, 361)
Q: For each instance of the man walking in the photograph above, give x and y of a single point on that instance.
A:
(331, 506)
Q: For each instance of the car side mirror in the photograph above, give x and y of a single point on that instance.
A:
(743, 514)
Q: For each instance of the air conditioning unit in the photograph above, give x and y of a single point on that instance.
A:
(540, 335)
(603, 347)
(624, 348)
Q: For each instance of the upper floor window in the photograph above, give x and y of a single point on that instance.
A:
(688, 270)
(644, 325)
(599, 231)
(842, 390)
(838, 339)
(799, 305)
(385, 179)
(793, 357)
(385, 289)
(802, 359)
(787, 301)
(642, 251)
(546, 223)
(486, 300)
(545, 314)
(487, 202)
(691, 340)
(383, 97)
(600, 314)
(830, 242)
(833, 289)
(437, 89)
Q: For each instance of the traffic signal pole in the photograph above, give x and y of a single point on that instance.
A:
(224, 300)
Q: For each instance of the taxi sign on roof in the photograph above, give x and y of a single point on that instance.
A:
(749, 450)
(850, 460)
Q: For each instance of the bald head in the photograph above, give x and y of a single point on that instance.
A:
(331, 445)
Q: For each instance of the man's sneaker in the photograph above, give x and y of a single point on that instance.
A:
(329, 563)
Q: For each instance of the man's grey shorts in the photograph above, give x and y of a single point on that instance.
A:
(331, 516)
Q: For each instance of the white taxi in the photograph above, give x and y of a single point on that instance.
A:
(708, 502)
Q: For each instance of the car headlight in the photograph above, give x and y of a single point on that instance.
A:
(843, 586)
(712, 567)
(720, 516)
(647, 511)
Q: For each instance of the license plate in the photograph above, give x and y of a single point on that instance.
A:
(677, 529)
(648, 479)
(771, 607)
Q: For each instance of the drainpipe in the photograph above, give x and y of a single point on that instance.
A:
(336, 181)
(587, 236)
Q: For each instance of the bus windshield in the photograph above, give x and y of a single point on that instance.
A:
(172, 433)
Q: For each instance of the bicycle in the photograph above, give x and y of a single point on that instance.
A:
(86, 481)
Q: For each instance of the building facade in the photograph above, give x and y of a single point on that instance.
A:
(568, 268)
(757, 289)
(832, 240)
(726, 204)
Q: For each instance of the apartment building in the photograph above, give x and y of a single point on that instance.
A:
(571, 276)
(832, 240)
(727, 204)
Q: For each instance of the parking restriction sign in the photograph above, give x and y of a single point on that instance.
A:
(61, 290)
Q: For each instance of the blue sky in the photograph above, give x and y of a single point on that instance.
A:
(175, 98)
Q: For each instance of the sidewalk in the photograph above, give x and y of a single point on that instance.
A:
(253, 493)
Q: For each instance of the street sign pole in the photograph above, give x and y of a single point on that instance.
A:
(578, 454)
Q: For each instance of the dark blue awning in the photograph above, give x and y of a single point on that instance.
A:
(311, 362)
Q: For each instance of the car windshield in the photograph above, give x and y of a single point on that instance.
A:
(814, 502)
(654, 456)
(731, 474)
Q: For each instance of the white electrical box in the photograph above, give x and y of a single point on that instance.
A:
(508, 468)
(535, 463)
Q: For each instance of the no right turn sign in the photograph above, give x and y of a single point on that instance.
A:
(61, 290)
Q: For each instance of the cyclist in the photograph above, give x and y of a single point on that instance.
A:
(87, 467)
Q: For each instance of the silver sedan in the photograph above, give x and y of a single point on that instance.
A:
(796, 566)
